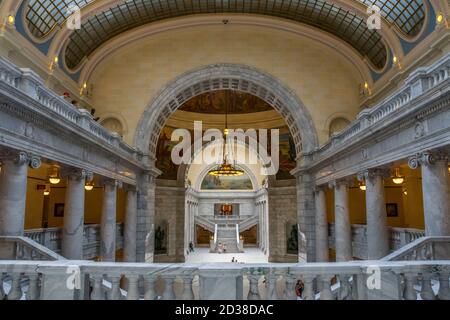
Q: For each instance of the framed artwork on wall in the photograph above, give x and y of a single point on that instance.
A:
(391, 209)
(58, 210)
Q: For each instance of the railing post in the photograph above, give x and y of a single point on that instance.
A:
(427, 291)
(55, 284)
(290, 287)
(149, 284)
(345, 289)
(253, 293)
(444, 288)
(410, 292)
(97, 290)
(133, 287)
(188, 293)
(308, 291)
(325, 293)
(16, 291)
(271, 286)
(33, 289)
(115, 287)
(169, 293)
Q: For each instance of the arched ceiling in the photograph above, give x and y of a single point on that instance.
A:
(44, 15)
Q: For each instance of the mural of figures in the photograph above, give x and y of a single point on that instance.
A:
(227, 183)
(287, 156)
(164, 159)
(217, 102)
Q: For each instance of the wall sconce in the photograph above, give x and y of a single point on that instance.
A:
(398, 179)
(440, 19)
(47, 190)
(89, 186)
(362, 186)
(54, 176)
(405, 192)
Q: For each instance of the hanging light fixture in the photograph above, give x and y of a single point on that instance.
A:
(54, 176)
(47, 190)
(398, 179)
(362, 186)
(89, 186)
(226, 169)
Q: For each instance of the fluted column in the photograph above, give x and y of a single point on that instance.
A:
(321, 226)
(72, 235)
(343, 230)
(435, 190)
(108, 221)
(13, 190)
(130, 226)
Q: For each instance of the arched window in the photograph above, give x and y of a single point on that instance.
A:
(337, 125)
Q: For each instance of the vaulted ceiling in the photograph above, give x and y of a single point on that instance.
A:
(43, 16)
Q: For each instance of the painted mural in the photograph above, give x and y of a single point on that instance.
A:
(218, 101)
(227, 183)
(169, 169)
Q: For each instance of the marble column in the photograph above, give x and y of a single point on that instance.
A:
(72, 235)
(13, 190)
(377, 231)
(435, 190)
(321, 226)
(108, 221)
(130, 225)
(343, 230)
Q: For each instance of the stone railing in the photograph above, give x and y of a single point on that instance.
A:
(409, 280)
(22, 248)
(418, 83)
(32, 85)
(248, 223)
(425, 248)
(398, 238)
(51, 239)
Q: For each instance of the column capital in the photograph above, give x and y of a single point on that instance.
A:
(372, 173)
(322, 187)
(21, 157)
(75, 173)
(128, 187)
(111, 182)
(427, 158)
(348, 182)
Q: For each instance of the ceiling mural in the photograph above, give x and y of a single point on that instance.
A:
(217, 102)
(242, 182)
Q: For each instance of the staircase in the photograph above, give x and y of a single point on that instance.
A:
(227, 237)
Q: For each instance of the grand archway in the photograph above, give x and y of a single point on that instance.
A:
(222, 77)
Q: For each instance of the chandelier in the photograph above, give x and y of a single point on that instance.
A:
(226, 169)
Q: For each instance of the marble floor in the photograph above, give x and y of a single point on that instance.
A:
(202, 255)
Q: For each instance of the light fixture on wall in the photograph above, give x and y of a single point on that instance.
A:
(398, 178)
(47, 190)
(362, 186)
(440, 18)
(54, 176)
(11, 20)
(405, 192)
(226, 169)
(89, 186)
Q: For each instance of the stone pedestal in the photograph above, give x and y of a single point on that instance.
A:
(377, 231)
(72, 237)
(13, 190)
(130, 227)
(321, 226)
(343, 230)
(435, 190)
(108, 222)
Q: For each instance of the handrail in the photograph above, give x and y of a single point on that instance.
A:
(425, 248)
(23, 248)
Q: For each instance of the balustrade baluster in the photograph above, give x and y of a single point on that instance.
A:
(133, 287)
(188, 293)
(444, 288)
(410, 292)
(427, 292)
(169, 293)
(115, 293)
(33, 288)
(2, 291)
(325, 293)
(16, 291)
(253, 293)
(149, 283)
(290, 287)
(97, 290)
(271, 286)
(308, 289)
(345, 288)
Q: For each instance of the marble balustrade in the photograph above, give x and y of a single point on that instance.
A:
(398, 237)
(399, 280)
(51, 239)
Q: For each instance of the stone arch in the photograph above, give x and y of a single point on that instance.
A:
(337, 124)
(222, 77)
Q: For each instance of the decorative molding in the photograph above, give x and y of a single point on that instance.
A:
(372, 173)
(20, 158)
